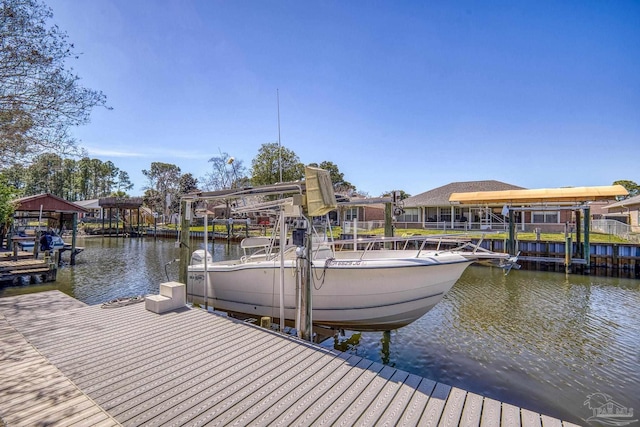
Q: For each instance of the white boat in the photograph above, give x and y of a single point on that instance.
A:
(371, 288)
(367, 289)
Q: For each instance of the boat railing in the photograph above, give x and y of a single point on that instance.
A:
(460, 243)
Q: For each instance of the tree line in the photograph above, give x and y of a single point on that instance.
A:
(272, 164)
(68, 178)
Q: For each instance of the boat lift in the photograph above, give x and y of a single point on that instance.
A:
(309, 198)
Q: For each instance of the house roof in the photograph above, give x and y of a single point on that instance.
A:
(88, 204)
(624, 204)
(542, 195)
(47, 203)
(440, 196)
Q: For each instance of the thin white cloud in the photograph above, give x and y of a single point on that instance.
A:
(155, 153)
(112, 153)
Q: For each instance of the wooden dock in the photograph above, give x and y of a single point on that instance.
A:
(63, 363)
(18, 264)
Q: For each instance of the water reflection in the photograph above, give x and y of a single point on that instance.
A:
(540, 340)
(347, 344)
(112, 268)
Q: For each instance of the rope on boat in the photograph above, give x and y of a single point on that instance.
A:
(121, 302)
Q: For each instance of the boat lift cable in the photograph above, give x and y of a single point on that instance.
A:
(327, 263)
(179, 230)
(166, 273)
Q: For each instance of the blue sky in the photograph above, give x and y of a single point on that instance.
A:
(404, 95)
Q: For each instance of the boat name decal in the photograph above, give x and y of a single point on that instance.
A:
(345, 263)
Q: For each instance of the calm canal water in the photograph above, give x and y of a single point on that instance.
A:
(542, 341)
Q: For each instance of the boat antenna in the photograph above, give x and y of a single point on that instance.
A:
(279, 146)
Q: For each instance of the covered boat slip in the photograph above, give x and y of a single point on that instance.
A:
(55, 211)
(575, 199)
(128, 366)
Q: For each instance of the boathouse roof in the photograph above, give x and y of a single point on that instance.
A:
(440, 196)
(47, 203)
(120, 202)
(541, 195)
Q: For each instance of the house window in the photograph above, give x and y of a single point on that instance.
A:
(445, 214)
(546, 217)
(410, 215)
(350, 214)
(430, 214)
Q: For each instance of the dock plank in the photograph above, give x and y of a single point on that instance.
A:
(453, 408)
(162, 382)
(435, 405)
(530, 419)
(510, 415)
(45, 413)
(472, 410)
(550, 422)
(418, 403)
(491, 413)
(379, 405)
(400, 401)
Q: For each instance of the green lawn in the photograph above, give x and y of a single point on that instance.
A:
(549, 237)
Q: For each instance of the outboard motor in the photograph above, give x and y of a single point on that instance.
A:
(197, 257)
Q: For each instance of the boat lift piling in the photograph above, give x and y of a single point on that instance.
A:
(306, 303)
(184, 242)
(283, 238)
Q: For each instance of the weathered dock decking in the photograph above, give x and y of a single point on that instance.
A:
(13, 266)
(188, 367)
(32, 390)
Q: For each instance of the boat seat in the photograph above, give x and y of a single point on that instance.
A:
(255, 242)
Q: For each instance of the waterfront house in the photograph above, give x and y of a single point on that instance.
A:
(93, 207)
(362, 208)
(486, 205)
(432, 209)
(630, 211)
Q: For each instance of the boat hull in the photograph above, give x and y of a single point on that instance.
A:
(27, 246)
(375, 294)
